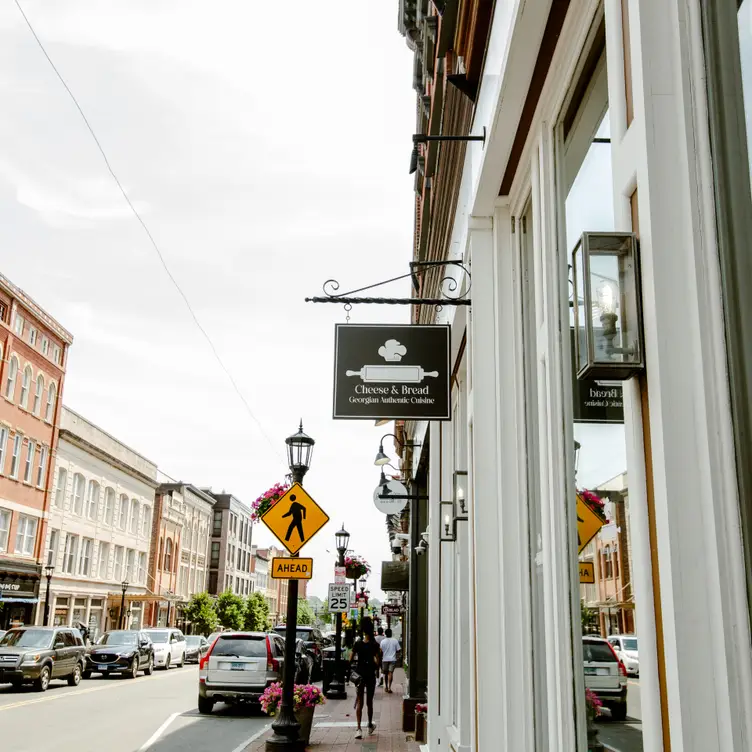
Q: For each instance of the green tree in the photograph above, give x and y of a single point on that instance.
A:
(257, 613)
(305, 612)
(230, 610)
(201, 614)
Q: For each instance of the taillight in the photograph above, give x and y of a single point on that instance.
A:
(272, 664)
(205, 659)
(622, 669)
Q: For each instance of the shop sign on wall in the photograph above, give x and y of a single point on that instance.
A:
(391, 371)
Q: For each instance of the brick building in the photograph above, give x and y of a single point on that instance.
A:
(33, 358)
(231, 559)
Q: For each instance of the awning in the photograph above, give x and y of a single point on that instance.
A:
(19, 600)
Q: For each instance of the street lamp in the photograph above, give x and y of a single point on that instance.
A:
(48, 570)
(381, 457)
(124, 588)
(286, 728)
(337, 686)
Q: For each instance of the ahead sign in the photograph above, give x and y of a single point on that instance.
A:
(339, 597)
(291, 568)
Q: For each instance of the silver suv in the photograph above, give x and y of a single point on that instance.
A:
(605, 675)
(238, 667)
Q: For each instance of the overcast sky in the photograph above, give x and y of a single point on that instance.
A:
(266, 146)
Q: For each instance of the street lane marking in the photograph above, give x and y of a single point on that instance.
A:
(159, 732)
(49, 698)
(252, 739)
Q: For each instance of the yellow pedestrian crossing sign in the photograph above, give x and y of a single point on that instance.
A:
(588, 524)
(295, 518)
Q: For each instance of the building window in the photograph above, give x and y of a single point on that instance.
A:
(52, 543)
(146, 522)
(78, 494)
(123, 516)
(3, 445)
(25, 386)
(29, 465)
(93, 500)
(217, 522)
(214, 561)
(142, 568)
(134, 517)
(18, 325)
(130, 563)
(49, 411)
(69, 554)
(62, 479)
(117, 572)
(240, 558)
(104, 560)
(32, 336)
(42, 467)
(168, 556)
(26, 533)
(56, 354)
(4, 528)
(84, 563)
(38, 392)
(109, 505)
(45, 345)
(3, 311)
(10, 383)
(15, 458)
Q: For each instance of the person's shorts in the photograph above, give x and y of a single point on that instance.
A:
(367, 687)
(388, 666)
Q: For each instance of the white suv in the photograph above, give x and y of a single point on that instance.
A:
(605, 675)
(169, 647)
(625, 647)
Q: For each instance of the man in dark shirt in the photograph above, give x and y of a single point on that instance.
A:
(365, 660)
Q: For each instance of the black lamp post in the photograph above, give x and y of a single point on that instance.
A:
(286, 727)
(337, 686)
(362, 598)
(124, 587)
(48, 570)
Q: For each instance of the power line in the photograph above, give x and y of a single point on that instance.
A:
(147, 231)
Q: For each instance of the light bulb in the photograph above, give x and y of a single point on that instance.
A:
(606, 295)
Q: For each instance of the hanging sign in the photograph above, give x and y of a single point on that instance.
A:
(382, 497)
(340, 575)
(391, 371)
(295, 518)
(595, 401)
(389, 609)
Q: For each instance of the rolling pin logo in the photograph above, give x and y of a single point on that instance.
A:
(392, 352)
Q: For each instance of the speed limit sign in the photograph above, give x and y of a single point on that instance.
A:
(339, 597)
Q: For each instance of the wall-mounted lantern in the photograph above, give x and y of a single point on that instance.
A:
(607, 306)
(454, 511)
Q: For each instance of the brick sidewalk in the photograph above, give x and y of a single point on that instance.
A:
(334, 725)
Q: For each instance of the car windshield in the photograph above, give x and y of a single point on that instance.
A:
(598, 652)
(159, 637)
(193, 641)
(630, 643)
(27, 638)
(118, 637)
(240, 646)
(302, 634)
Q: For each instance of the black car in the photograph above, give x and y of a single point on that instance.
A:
(314, 642)
(121, 651)
(39, 654)
(196, 647)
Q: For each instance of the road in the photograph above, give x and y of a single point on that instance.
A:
(625, 736)
(150, 714)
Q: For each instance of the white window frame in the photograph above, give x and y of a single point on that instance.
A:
(5, 515)
(92, 504)
(18, 324)
(49, 410)
(77, 495)
(38, 392)
(56, 353)
(104, 560)
(10, 381)
(70, 553)
(15, 457)
(123, 507)
(119, 563)
(130, 565)
(42, 467)
(142, 567)
(3, 446)
(62, 482)
(45, 345)
(53, 541)
(134, 517)
(26, 534)
(84, 557)
(110, 500)
(145, 520)
(26, 378)
(29, 464)
(32, 336)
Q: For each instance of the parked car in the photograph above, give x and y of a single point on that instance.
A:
(605, 675)
(169, 647)
(238, 667)
(2, 633)
(39, 654)
(314, 641)
(195, 648)
(304, 663)
(625, 647)
(121, 651)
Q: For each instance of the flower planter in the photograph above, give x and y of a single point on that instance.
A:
(304, 716)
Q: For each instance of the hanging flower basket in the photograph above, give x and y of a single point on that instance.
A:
(356, 567)
(594, 503)
(267, 500)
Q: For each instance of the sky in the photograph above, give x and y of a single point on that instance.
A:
(267, 153)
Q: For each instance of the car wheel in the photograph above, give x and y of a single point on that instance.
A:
(619, 712)
(133, 668)
(205, 705)
(75, 678)
(43, 680)
(182, 661)
(167, 663)
(86, 674)
(149, 670)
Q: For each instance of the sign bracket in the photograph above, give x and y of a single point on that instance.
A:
(449, 286)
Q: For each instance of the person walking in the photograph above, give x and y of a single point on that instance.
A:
(379, 638)
(389, 648)
(365, 660)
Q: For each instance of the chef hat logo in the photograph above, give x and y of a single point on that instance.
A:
(392, 350)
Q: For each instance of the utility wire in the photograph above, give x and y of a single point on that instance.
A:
(147, 231)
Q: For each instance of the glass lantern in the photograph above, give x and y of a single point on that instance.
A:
(607, 306)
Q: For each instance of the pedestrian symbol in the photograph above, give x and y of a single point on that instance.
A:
(295, 518)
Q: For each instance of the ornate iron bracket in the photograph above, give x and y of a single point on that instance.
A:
(448, 286)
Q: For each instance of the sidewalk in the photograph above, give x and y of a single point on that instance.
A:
(334, 725)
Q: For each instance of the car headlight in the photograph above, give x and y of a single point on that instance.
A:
(32, 658)
(125, 653)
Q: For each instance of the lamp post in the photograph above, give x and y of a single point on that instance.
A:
(48, 570)
(124, 588)
(362, 598)
(337, 686)
(286, 727)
